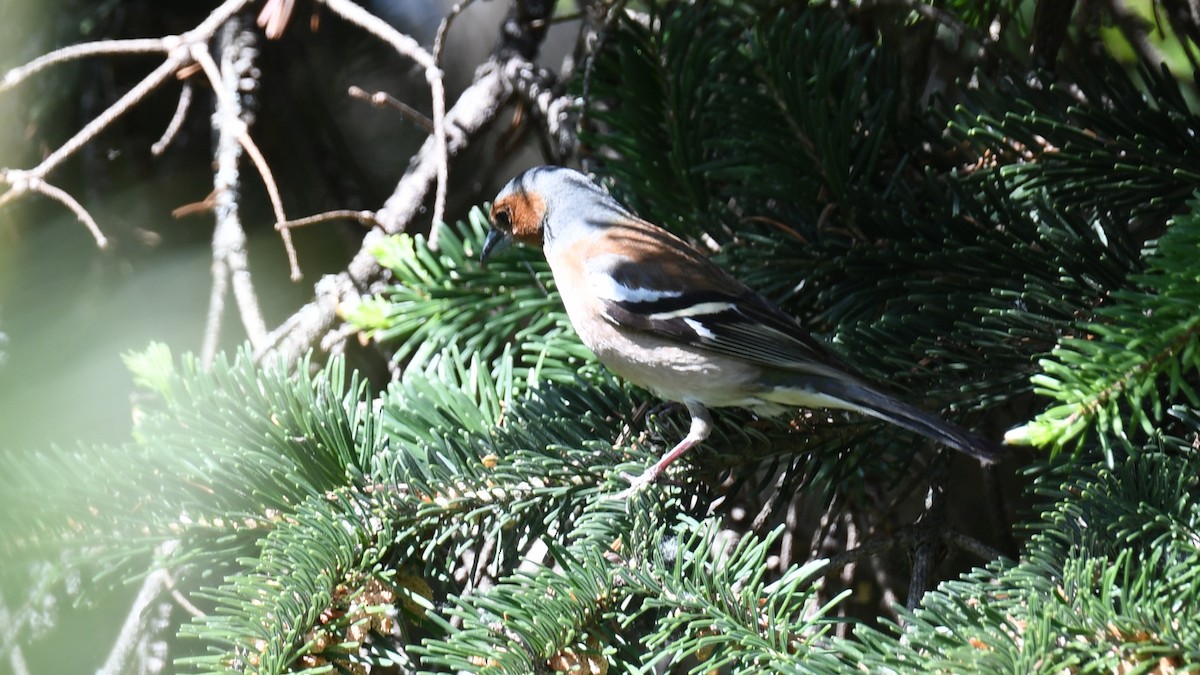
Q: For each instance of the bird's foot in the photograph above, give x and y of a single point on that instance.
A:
(639, 483)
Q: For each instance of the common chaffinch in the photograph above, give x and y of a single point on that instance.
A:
(660, 314)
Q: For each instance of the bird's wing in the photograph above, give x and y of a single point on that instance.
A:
(688, 299)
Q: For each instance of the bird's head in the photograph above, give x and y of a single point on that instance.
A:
(538, 205)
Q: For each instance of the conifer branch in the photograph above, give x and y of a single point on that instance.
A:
(230, 262)
(476, 107)
(461, 518)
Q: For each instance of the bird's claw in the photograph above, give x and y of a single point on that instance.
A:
(637, 483)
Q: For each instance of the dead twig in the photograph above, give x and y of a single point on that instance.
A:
(380, 99)
(274, 17)
(73, 52)
(364, 217)
(238, 127)
(408, 47)
(139, 625)
(439, 41)
(22, 182)
(178, 50)
(176, 123)
(476, 108)
(230, 262)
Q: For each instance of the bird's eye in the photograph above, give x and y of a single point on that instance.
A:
(503, 219)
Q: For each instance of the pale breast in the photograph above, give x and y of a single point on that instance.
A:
(670, 371)
(676, 373)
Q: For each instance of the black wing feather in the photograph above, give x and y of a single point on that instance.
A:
(744, 326)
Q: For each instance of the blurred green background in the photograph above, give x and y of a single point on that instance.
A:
(68, 311)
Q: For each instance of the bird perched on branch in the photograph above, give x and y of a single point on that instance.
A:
(660, 314)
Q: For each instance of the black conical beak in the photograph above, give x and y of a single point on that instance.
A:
(495, 242)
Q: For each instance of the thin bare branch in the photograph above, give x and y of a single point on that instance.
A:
(443, 154)
(439, 131)
(380, 99)
(972, 545)
(216, 309)
(89, 131)
(138, 625)
(274, 17)
(218, 17)
(194, 208)
(23, 182)
(439, 41)
(364, 217)
(230, 261)
(410, 48)
(239, 130)
(73, 52)
(183, 601)
(178, 53)
(334, 342)
(177, 49)
(403, 44)
(62, 196)
(176, 123)
(264, 170)
(475, 108)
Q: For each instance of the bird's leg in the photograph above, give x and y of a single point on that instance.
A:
(701, 427)
(662, 407)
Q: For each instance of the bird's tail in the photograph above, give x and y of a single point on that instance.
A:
(851, 394)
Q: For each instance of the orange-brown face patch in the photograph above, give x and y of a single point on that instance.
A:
(520, 214)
